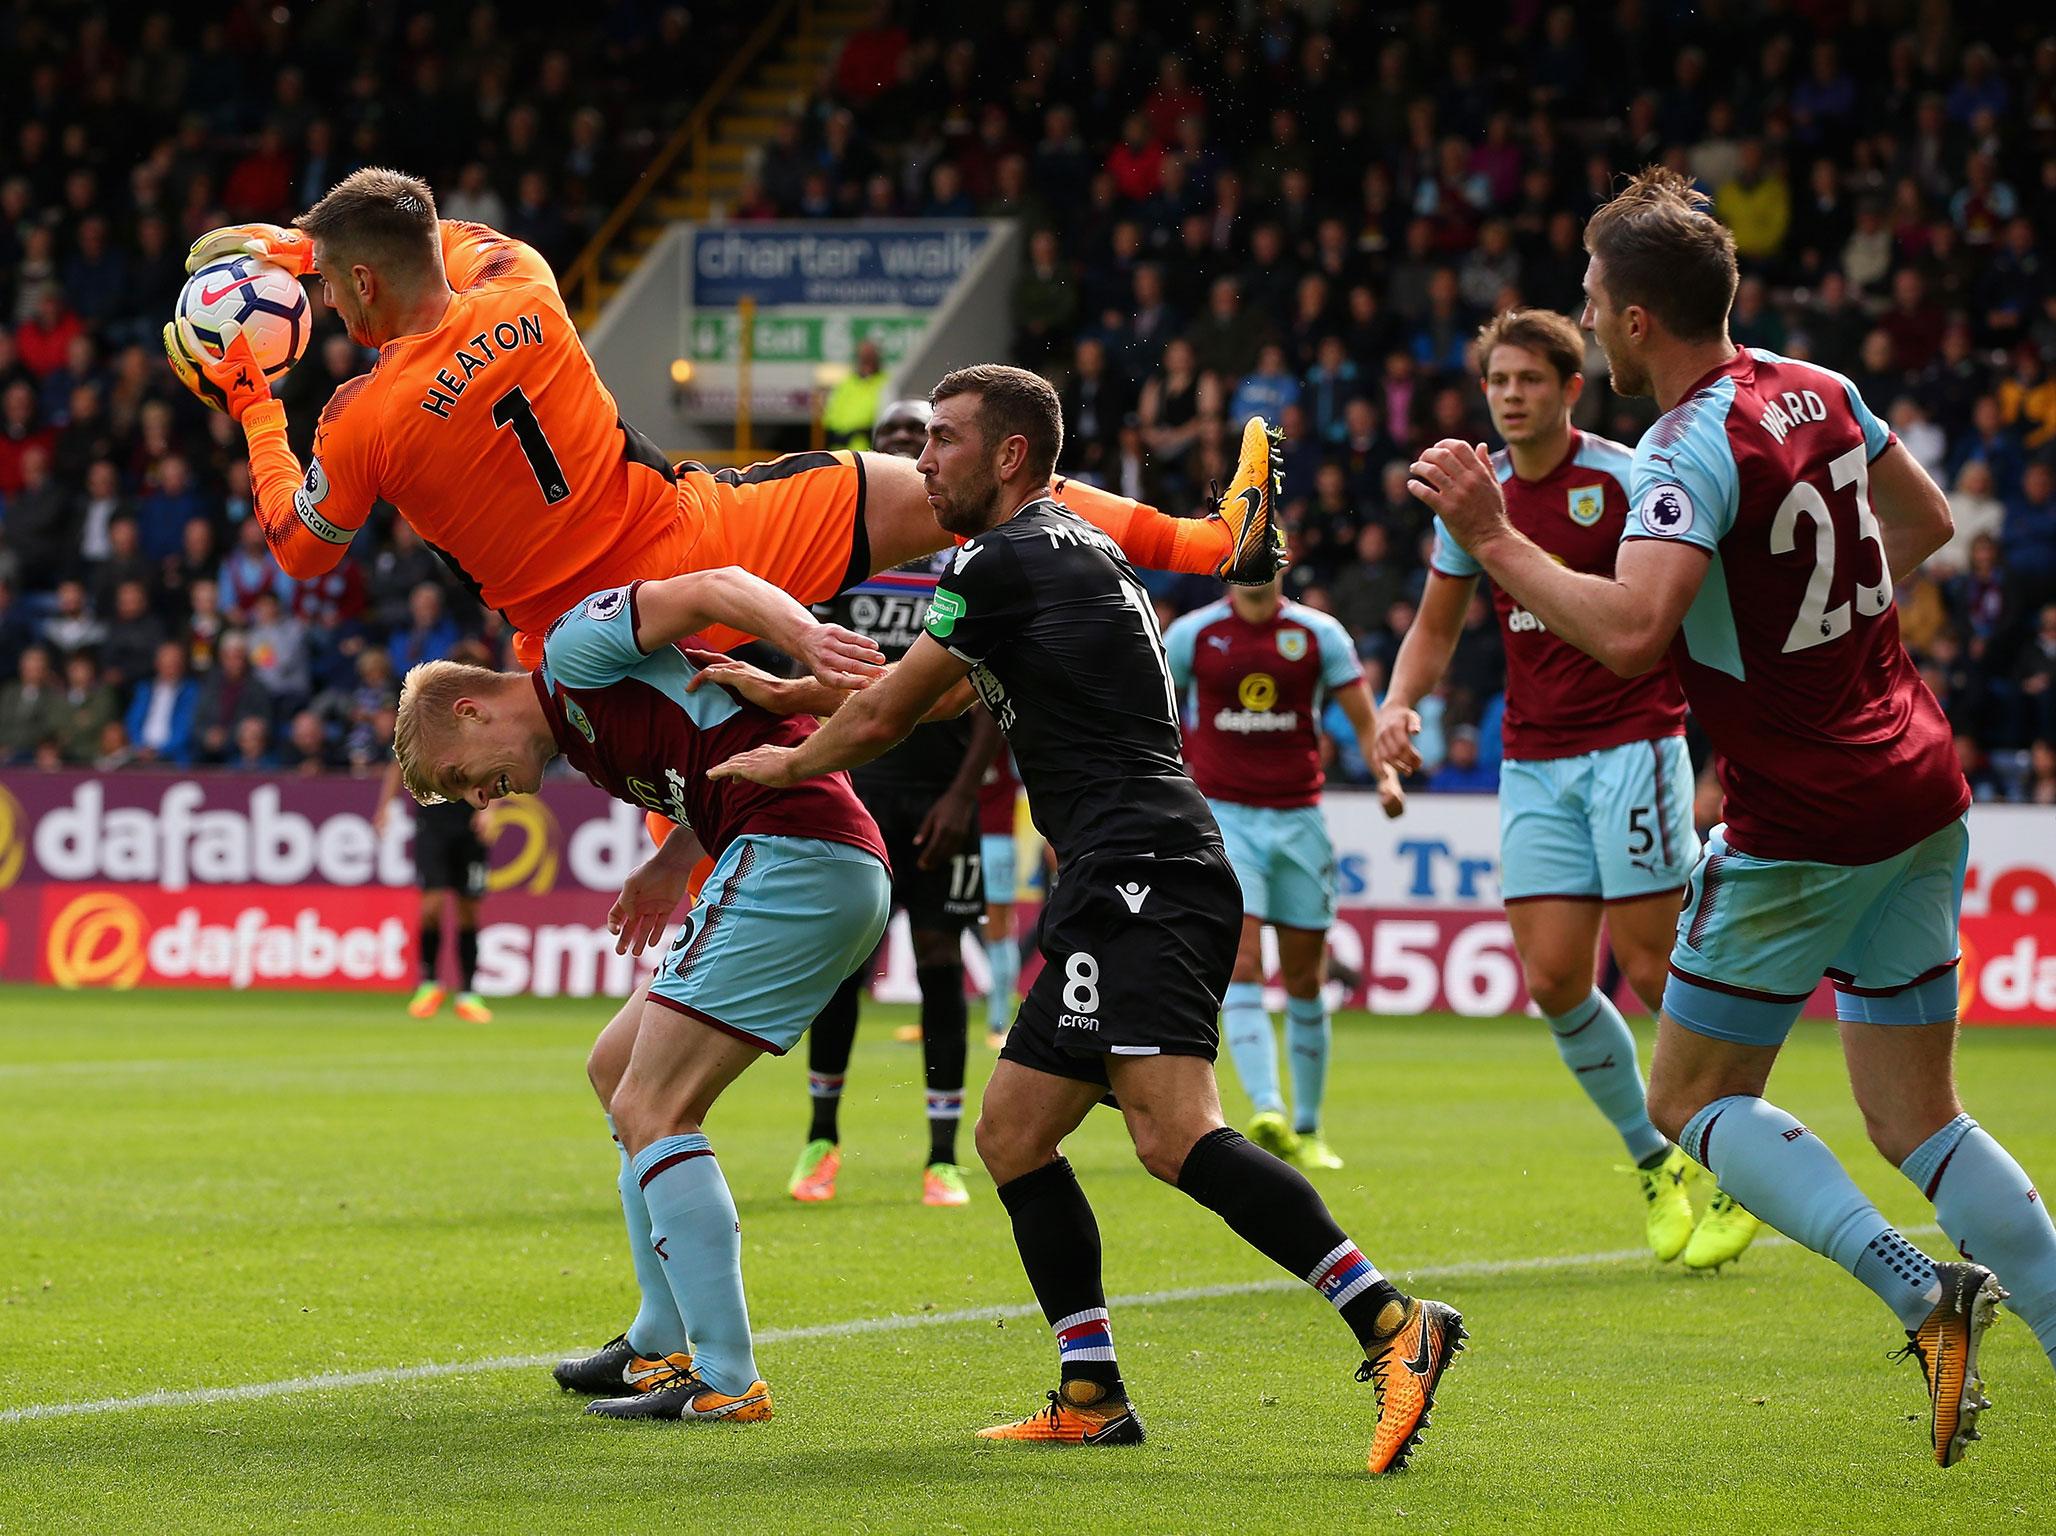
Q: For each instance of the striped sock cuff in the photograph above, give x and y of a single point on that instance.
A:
(1086, 1335)
(946, 1106)
(1343, 1275)
(668, 1152)
(824, 1085)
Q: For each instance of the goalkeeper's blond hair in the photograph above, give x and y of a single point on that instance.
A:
(427, 719)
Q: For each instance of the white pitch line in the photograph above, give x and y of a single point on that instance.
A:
(896, 1322)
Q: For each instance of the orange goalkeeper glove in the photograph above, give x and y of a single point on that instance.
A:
(275, 243)
(231, 383)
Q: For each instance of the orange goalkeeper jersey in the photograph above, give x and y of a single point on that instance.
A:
(493, 435)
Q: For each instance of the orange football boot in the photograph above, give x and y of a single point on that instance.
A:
(1946, 1346)
(1100, 1420)
(1405, 1374)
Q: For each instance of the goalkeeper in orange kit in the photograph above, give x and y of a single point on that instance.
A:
(484, 422)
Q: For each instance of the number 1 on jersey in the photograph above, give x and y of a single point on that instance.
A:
(513, 410)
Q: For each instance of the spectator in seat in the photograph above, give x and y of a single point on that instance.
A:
(2034, 679)
(1267, 389)
(279, 650)
(250, 570)
(2041, 777)
(230, 694)
(1094, 403)
(125, 563)
(1045, 298)
(203, 626)
(1463, 770)
(1756, 205)
(2027, 399)
(1989, 440)
(94, 511)
(39, 521)
(72, 625)
(31, 708)
(133, 637)
(1366, 588)
(430, 633)
(160, 717)
(2031, 529)
(307, 751)
(89, 706)
(1977, 513)
(252, 749)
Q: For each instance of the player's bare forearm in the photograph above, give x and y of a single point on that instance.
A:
(1625, 621)
(677, 606)
(667, 611)
(301, 549)
(868, 724)
(1912, 512)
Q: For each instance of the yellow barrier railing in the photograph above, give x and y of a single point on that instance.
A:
(581, 280)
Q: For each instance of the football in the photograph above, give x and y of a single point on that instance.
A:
(247, 293)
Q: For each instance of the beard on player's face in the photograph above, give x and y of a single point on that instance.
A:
(968, 494)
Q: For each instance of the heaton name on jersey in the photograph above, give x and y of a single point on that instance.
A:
(1830, 747)
(1255, 692)
(1560, 701)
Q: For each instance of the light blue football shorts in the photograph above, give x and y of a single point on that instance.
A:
(1285, 861)
(1609, 825)
(996, 851)
(1757, 936)
(780, 924)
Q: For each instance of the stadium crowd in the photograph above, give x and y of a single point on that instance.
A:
(1298, 219)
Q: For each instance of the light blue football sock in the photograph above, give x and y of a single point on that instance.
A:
(1307, 1035)
(694, 1231)
(657, 1330)
(1003, 959)
(1599, 1048)
(1783, 1173)
(1250, 1046)
(1989, 1209)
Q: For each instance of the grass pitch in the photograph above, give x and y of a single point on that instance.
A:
(215, 1191)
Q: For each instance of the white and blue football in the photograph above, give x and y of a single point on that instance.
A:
(260, 299)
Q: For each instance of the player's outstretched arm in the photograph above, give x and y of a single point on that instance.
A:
(1424, 656)
(668, 611)
(1625, 623)
(866, 726)
(1911, 510)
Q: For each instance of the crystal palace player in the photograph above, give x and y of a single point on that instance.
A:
(1258, 670)
(924, 795)
(797, 901)
(484, 422)
(1595, 800)
(1771, 513)
(1051, 625)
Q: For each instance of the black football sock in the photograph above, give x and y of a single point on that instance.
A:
(944, 1018)
(829, 1041)
(467, 959)
(1271, 1207)
(431, 952)
(1059, 1242)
